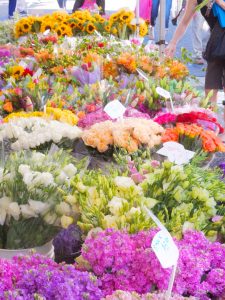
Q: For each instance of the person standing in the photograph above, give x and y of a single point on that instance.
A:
(155, 11)
(215, 73)
(87, 3)
(200, 37)
(12, 8)
(62, 3)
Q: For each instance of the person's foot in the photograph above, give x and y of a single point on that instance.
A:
(151, 33)
(23, 13)
(198, 61)
(174, 21)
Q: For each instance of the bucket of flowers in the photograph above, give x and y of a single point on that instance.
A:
(34, 200)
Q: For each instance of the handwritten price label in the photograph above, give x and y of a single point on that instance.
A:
(115, 109)
(163, 93)
(165, 249)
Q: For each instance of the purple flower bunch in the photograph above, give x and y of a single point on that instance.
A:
(67, 244)
(127, 262)
(4, 56)
(37, 275)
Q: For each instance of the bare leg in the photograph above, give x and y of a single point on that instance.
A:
(213, 99)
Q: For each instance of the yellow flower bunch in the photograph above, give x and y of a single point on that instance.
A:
(15, 71)
(64, 24)
(65, 116)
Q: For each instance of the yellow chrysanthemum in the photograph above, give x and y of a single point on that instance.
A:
(90, 28)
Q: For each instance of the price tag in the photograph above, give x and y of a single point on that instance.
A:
(176, 153)
(163, 93)
(37, 74)
(46, 32)
(142, 74)
(115, 109)
(165, 249)
(98, 34)
(23, 64)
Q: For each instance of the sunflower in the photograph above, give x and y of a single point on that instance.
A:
(90, 28)
(107, 28)
(47, 25)
(16, 71)
(99, 18)
(114, 31)
(126, 17)
(114, 17)
(143, 29)
(59, 32)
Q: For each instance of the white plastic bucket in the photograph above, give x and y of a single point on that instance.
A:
(46, 250)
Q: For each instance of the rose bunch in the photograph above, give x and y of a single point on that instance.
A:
(194, 137)
(130, 134)
(30, 133)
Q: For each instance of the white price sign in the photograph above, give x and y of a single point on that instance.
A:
(115, 109)
(46, 32)
(165, 249)
(37, 74)
(176, 153)
(165, 94)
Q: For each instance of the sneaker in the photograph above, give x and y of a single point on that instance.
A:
(198, 61)
(174, 21)
(23, 13)
(151, 33)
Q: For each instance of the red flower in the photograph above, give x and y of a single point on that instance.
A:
(28, 72)
(101, 45)
(90, 108)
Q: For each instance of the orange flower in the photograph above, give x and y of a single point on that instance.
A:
(43, 56)
(110, 69)
(81, 114)
(8, 107)
(92, 57)
(26, 51)
(177, 70)
(128, 61)
(145, 64)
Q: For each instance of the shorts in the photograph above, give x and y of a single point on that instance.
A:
(215, 75)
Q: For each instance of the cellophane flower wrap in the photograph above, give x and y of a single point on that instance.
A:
(33, 189)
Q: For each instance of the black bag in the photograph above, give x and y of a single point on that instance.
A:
(215, 49)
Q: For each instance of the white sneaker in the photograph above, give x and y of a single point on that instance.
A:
(151, 33)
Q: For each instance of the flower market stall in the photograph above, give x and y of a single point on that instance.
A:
(112, 166)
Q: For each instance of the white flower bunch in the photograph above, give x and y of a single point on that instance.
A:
(33, 184)
(28, 133)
